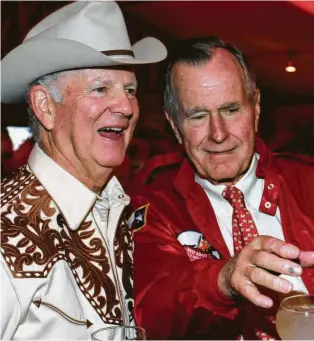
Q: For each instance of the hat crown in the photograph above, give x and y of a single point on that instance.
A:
(83, 34)
(98, 24)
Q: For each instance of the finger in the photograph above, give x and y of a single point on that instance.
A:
(250, 292)
(269, 261)
(307, 258)
(267, 280)
(279, 247)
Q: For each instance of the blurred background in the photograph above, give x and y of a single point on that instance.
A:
(273, 35)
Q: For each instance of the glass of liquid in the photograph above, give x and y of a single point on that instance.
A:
(119, 333)
(295, 318)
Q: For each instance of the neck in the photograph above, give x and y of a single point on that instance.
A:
(93, 177)
(229, 182)
(251, 167)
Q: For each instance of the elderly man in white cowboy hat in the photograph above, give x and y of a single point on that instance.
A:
(66, 251)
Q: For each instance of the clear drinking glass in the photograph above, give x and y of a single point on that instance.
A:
(295, 318)
(119, 333)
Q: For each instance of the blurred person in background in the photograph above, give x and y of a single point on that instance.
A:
(6, 153)
(21, 155)
(212, 237)
(18, 157)
(139, 152)
(66, 264)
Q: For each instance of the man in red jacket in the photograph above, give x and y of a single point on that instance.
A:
(223, 238)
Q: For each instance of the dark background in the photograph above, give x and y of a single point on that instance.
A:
(268, 33)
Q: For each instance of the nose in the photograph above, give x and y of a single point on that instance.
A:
(122, 104)
(217, 128)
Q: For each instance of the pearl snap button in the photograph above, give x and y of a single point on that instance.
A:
(270, 186)
(267, 204)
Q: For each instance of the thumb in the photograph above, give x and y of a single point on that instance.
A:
(306, 258)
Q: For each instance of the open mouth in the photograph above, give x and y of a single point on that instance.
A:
(110, 132)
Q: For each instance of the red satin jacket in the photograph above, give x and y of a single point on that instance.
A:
(175, 282)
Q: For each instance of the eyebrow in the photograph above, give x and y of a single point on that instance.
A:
(196, 110)
(131, 84)
(229, 105)
(193, 111)
(109, 83)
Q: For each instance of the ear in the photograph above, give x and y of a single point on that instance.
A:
(257, 108)
(42, 105)
(174, 128)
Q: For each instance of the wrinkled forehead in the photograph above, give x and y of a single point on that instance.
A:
(126, 73)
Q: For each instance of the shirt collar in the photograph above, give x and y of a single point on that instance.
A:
(247, 184)
(73, 198)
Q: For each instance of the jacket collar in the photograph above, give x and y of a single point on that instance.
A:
(74, 199)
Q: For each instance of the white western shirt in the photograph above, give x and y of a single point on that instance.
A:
(67, 286)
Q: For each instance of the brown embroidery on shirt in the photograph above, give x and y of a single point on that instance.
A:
(34, 237)
(123, 244)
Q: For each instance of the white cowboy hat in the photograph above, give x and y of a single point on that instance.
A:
(80, 35)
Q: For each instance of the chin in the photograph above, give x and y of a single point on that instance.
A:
(110, 163)
(221, 176)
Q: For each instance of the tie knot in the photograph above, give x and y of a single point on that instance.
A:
(234, 196)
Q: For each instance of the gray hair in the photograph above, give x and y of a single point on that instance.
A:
(199, 51)
(49, 82)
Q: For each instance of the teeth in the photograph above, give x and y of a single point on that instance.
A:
(117, 130)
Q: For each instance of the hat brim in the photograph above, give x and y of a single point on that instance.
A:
(39, 57)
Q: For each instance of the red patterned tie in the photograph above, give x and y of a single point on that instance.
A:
(243, 231)
(243, 226)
